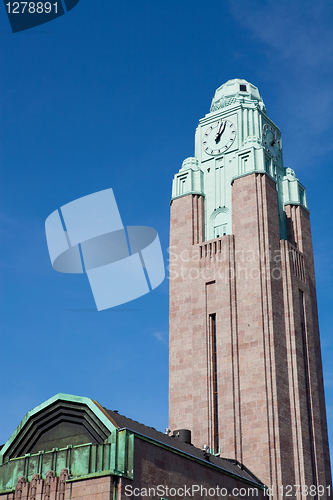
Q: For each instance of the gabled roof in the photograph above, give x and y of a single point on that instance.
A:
(228, 465)
(62, 409)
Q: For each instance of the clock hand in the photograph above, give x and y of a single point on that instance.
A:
(274, 140)
(220, 129)
(217, 136)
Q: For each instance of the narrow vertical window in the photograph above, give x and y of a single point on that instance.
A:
(307, 385)
(212, 321)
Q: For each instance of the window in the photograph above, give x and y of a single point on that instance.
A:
(212, 328)
(242, 88)
(307, 382)
(220, 230)
(221, 219)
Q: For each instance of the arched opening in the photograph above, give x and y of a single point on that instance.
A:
(220, 224)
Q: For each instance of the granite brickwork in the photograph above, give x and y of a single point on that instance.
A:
(271, 407)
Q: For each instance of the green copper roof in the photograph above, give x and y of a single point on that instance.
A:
(236, 91)
(32, 421)
(110, 453)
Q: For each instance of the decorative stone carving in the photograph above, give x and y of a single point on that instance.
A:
(62, 484)
(33, 487)
(252, 140)
(19, 488)
(47, 485)
(290, 174)
(190, 162)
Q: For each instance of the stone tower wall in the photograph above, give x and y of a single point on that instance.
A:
(261, 292)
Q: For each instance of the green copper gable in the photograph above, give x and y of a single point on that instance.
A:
(66, 432)
(79, 411)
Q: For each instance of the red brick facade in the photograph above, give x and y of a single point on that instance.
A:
(261, 292)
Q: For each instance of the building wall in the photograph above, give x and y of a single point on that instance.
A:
(157, 466)
(310, 438)
(153, 466)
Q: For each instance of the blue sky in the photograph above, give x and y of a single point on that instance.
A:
(109, 95)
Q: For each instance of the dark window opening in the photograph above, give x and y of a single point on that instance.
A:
(307, 385)
(242, 88)
(212, 327)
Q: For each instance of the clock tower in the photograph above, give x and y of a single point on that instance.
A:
(245, 362)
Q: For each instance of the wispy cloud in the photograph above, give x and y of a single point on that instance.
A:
(159, 336)
(297, 48)
(10, 226)
(300, 30)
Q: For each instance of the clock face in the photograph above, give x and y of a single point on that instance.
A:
(219, 137)
(272, 141)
